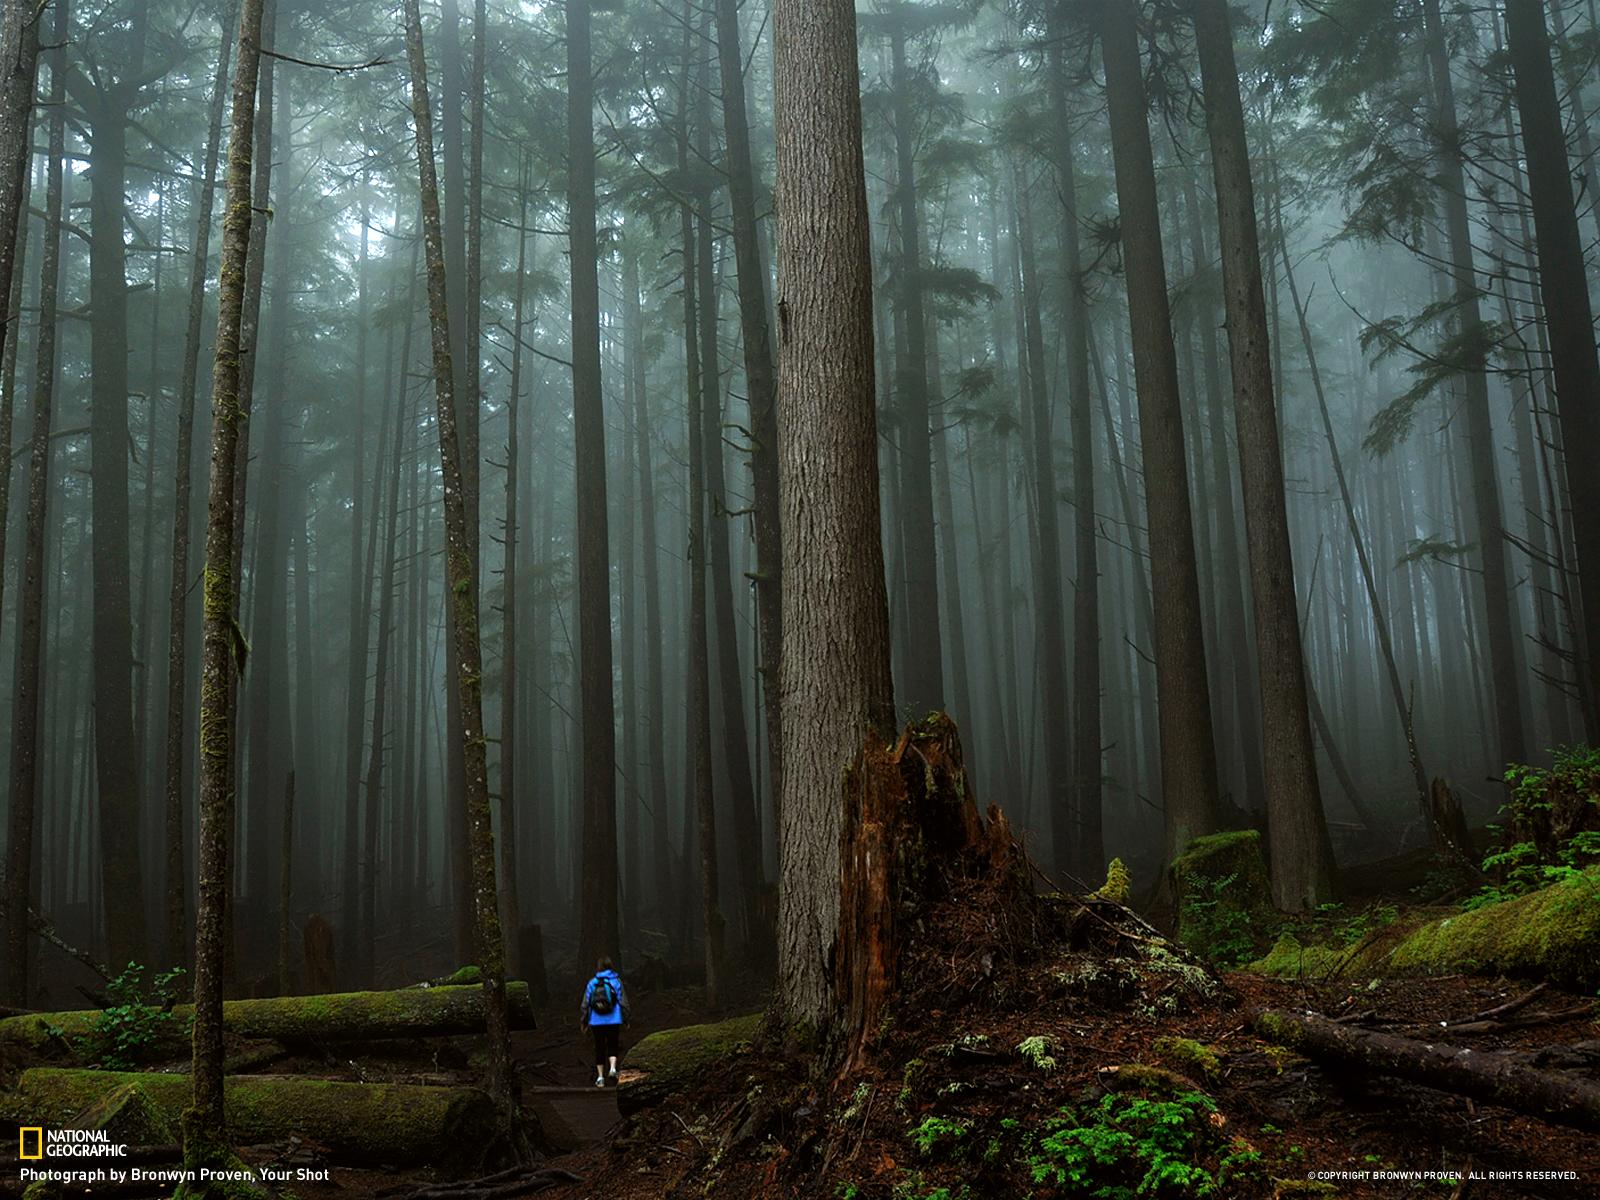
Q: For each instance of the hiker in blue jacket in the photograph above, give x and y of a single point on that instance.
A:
(604, 1013)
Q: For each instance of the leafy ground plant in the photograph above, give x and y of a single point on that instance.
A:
(1128, 1146)
(137, 1018)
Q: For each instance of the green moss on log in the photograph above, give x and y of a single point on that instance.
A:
(1552, 934)
(665, 1059)
(336, 1016)
(359, 1123)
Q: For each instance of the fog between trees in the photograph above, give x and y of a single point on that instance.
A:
(1170, 571)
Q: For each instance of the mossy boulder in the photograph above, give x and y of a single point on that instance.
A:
(359, 1123)
(662, 1061)
(1551, 934)
(1222, 894)
(129, 1118)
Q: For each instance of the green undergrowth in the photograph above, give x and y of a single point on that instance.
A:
(1549, 830)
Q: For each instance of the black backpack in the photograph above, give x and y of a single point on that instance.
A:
(603, 996)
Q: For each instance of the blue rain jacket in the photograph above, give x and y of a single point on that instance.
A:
(618, 1014)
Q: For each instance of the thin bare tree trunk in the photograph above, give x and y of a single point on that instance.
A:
(221, 646)
(463, 605)
(1565, 292)
(27, 685)
(1188, 753)
(760, 377)
(598, 894)
(177, 875)
(1301, 854)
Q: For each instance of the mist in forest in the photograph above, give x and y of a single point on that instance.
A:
(1153, 608)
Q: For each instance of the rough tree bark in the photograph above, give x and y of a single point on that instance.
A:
(1188, 753)
(1301, 854)
(463, 603)
(839, 692)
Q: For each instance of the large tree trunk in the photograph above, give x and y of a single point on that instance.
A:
(28, 681)
(203, 1123)
(598, 894)
(463, 600)
(1188, 754)
(1301, 855)
(760, 378)
(1565, 292)
(839, 691)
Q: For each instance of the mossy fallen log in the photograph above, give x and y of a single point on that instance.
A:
(359, 1123)
(334, 1017)
(1490, 1076)
(1552, 934)
(662, 1061)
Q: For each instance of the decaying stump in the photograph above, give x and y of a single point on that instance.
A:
(1447, 825)
(911, 827)
(359, 1123)
(1490, 1076)
(341, 1016)
(317, 942)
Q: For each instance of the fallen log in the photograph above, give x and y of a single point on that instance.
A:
(387, 1124)
(341, 1016)
(1490, 1076)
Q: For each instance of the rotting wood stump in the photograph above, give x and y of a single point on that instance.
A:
(911, 828)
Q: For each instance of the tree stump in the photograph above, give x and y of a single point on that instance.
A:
(317, 942)
(911, 828)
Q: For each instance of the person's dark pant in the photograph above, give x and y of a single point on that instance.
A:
(606, 1040)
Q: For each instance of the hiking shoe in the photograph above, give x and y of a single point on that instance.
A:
(611, 1079)
(600, 1082)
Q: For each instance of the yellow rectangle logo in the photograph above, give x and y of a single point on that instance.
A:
(37, 1134)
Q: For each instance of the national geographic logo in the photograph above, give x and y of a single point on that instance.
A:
(34, 1142)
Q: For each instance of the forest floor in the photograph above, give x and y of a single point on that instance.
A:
(1067, 1052)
